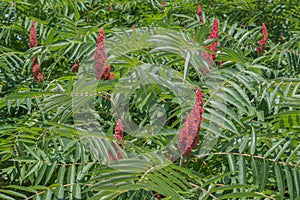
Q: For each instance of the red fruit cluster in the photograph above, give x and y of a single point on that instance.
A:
(119, 134)
(119, 131)
(199, 13)
(36, 70)
(263, 41)
(214, 34)
(188, 135)
(163, 4)
(102, 68)
(214, 46)
(75, 67)
(32, 36)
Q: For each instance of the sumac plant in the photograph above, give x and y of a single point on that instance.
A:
(149, 99)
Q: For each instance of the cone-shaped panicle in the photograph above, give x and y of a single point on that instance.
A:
(188, 135)
(107, 75)
(75, 67)
(119, 131)
(263, 40)
(36, 71)
(214, 34)
(163, 4)
(102, 68)
(119, 134)
(214, 46)
(112, 157)
(199, 13)
(101, 39)
(32, 36)
(208, 56)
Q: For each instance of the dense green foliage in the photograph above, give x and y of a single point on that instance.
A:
(249, 141)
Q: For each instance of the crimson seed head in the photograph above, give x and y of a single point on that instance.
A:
(214, 30)
(32, 36)
(264, 31)
(112, 157)
(102, 68)
(188, 134)
(214, 33)
(199, 13)
(263, 41)
(75, 67)
(101, 39)
(119, 134)
(36, 71)
(208, 56)
(119, 131)
(163, 4)
(111, 77)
